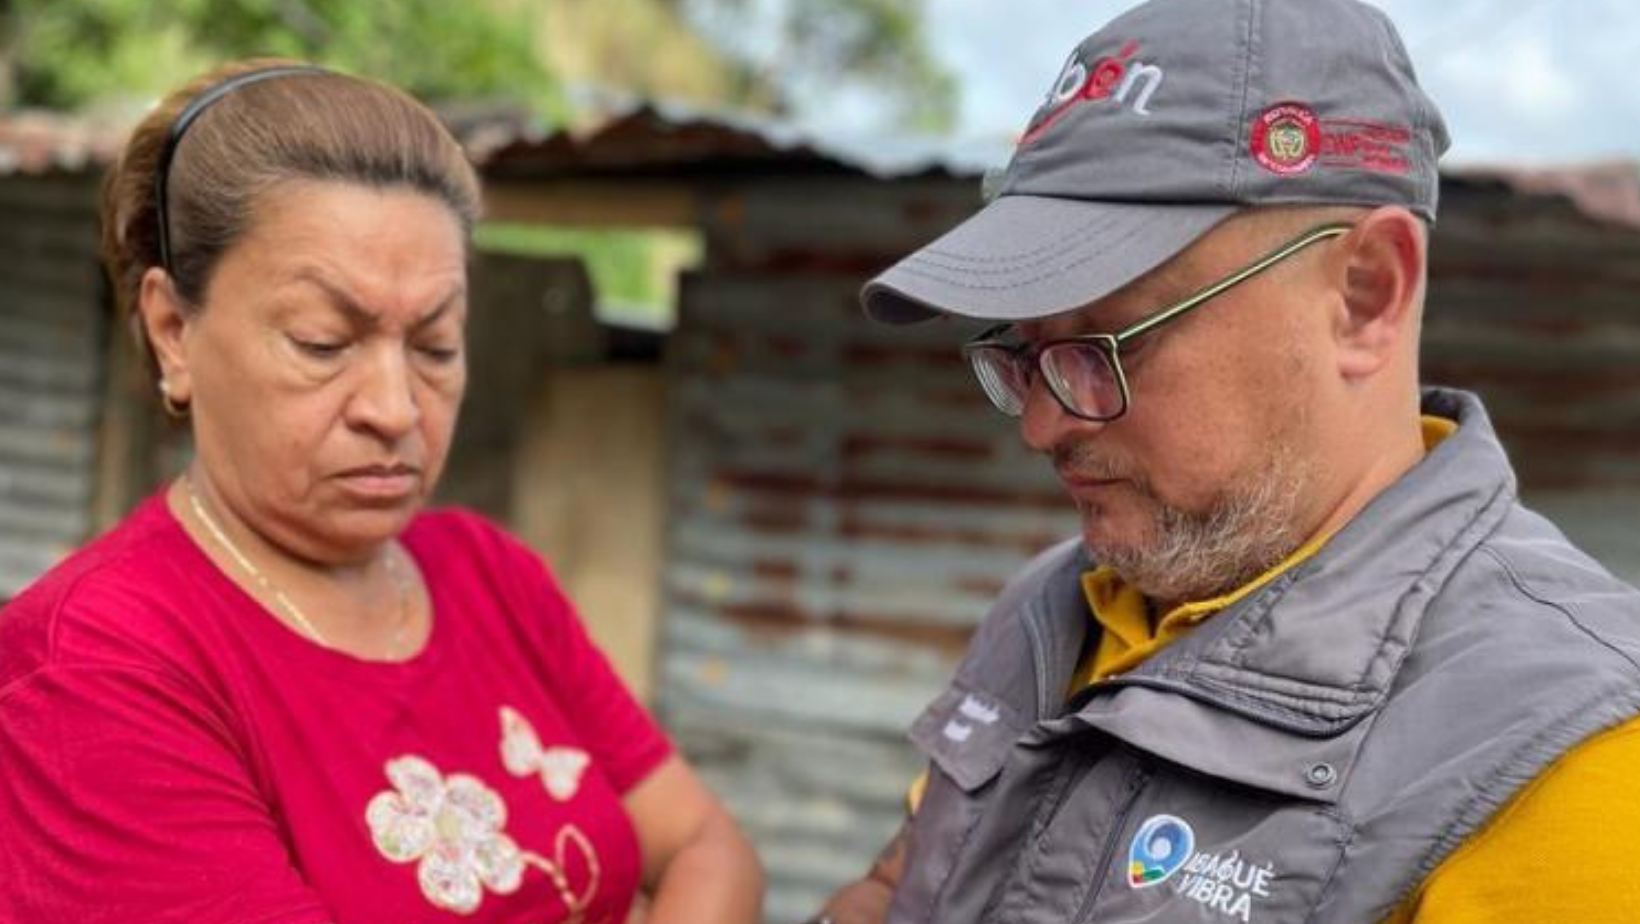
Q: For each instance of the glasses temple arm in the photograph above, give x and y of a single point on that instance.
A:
(1268, 260)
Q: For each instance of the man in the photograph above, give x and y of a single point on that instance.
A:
(1310, 660)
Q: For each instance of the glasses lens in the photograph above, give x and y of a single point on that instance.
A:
(1002, 374)
(1081, 375)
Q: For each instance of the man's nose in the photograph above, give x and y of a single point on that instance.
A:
(1044, 423)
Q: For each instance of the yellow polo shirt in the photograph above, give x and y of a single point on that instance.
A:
(1559, 851)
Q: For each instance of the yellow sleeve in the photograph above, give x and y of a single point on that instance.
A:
(914, 793)
(1563, 849)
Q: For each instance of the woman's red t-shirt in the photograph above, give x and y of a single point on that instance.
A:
(169, 751)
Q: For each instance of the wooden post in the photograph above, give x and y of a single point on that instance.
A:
(589, 495)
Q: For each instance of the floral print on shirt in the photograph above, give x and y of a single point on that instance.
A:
(452, 826)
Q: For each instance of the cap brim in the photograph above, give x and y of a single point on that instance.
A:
(1024, 257)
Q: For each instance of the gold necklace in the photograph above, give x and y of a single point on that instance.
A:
(288, 606)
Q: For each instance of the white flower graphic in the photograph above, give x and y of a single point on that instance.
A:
(453, 826)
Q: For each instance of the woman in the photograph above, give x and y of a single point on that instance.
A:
(279, 691)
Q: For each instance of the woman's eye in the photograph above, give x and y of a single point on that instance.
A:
(439, 354)
(319, 349)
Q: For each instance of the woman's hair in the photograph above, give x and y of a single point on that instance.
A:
(300, 125)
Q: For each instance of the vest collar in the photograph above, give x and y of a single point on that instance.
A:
(1312, 653)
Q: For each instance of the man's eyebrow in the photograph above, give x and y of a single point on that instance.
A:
(359, 313)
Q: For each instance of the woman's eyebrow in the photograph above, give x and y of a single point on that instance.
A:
(359, 313)
(443, 308)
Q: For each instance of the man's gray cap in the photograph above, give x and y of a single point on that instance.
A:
(1172, 117)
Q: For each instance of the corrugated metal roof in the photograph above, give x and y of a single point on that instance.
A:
(34, 142)
(658, 138)
(1608, 191)
(662, 138)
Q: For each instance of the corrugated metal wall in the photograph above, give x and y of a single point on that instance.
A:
(844, 507)
(52, 337)
(1537, 308)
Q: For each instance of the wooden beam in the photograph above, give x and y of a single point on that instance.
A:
(593, 202)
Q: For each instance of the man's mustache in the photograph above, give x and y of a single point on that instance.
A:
(1085, 461)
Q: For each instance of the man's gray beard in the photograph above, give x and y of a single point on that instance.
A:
(1201, 555)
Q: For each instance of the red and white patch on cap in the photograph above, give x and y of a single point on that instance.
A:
(1286, 138)
(1359, 144)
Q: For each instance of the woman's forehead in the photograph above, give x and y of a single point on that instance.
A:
(367, 247)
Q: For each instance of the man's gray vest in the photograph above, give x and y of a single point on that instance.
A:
(1310, 754)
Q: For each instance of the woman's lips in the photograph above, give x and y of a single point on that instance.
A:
(381, 482)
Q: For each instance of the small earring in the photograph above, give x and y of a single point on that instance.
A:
(173, 408)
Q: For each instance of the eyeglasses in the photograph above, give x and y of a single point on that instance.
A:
(1084, 373)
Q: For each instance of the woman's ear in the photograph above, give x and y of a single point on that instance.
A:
(1382, 282)
(164, 321)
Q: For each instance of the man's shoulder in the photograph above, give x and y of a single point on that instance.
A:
(1529, 562)
(1527, 609)
(1047, 568)
(1559, 845)
(1001, 653)
(1549, 563)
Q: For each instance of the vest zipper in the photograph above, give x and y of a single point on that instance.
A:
(1141, 776)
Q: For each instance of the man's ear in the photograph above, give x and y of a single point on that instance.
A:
(164, 319)
(1382, 287)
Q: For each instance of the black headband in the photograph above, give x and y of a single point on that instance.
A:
(186, 118)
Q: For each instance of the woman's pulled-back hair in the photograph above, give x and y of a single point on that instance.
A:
(302, 125)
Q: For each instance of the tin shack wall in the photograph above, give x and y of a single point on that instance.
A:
(1537, 307)
(844, 506)
(53, 332)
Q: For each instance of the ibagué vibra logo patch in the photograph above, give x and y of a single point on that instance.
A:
(1226, 883)
(1159, 850)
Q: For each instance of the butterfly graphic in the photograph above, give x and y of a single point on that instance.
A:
(560, 767)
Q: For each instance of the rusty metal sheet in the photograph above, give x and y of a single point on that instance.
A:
(845, 506)
(1538, 310)
(52, 331)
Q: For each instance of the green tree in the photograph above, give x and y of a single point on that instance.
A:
(66, 54)
(806, 49)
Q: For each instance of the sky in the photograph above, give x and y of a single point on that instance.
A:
(1519, 81)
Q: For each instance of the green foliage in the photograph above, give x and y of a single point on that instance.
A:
(66, 54)
(808, 48)
(769, 55)
(634, 272)
(881, 42)
(69, 53)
